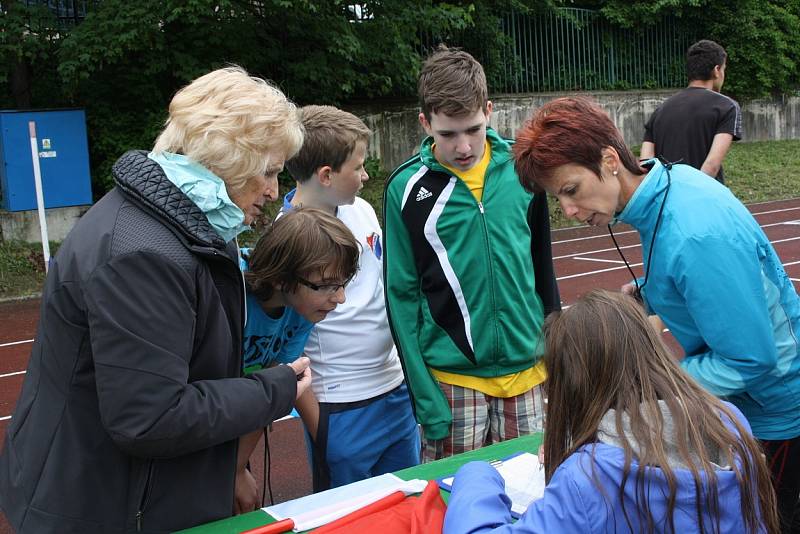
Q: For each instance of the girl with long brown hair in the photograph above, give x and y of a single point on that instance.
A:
(710, 272)
(632, 443)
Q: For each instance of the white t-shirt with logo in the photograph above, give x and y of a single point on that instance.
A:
(352, 354)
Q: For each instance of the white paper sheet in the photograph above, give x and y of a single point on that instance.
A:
(524, 480)
(321, 508)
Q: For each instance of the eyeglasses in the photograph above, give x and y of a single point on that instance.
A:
(325, 288)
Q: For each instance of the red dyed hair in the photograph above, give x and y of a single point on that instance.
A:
(567, 130)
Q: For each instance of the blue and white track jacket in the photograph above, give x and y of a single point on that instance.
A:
(717, 283)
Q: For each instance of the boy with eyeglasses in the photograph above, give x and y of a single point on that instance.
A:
(295, 276)
(366, 425)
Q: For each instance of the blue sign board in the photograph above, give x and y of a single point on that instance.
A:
(63, 159)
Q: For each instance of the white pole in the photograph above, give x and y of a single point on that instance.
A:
(37, 178)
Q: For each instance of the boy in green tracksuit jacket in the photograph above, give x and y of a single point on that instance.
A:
(468, 267)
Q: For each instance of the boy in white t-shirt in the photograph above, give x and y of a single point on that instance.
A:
(366, 424)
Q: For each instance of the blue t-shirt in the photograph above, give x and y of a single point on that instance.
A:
(269, 341)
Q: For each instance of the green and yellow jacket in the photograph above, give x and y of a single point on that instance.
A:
(468, 283)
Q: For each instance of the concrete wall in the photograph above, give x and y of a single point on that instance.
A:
(24, 225)
(398, 133)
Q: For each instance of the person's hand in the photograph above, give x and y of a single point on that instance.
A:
(657, 323)
(632, 290)
(303, 372)
(629, 289)
(245, 492)
(541, 457)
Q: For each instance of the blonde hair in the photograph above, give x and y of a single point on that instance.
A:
(331, 136)
(231, 123)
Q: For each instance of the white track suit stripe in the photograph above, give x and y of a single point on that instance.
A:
(441, 254)
(411, 183)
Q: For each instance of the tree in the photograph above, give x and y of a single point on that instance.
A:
(126, 59)
(761, 37)
(28, 39)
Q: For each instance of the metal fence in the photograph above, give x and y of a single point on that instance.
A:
(68, 13)
(572, 49)
(577, 49)
(566, 49)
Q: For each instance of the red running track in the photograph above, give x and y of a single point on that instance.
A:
(585, 258)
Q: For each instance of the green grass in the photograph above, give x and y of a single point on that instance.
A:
(755, 172)
(21, 268)
(763, 170)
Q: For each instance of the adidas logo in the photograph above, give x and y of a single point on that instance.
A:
(423, 193)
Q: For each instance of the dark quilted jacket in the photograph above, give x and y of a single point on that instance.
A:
(133, 399)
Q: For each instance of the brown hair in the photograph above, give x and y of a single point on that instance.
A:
(601, 355)
(452, 82)
(567, 130)
(330, 138)
(302, 242)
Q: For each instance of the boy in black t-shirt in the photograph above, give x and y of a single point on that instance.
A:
(697, 125)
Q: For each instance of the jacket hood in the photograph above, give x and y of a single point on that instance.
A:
(144, 180)
(607, 433)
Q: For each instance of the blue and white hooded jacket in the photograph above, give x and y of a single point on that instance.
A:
(717, 283)
(572, 502)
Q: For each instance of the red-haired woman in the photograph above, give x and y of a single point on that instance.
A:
(711, 273)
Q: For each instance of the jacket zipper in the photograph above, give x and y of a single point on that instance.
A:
(145, 496)
(491, 275)
(242, 285)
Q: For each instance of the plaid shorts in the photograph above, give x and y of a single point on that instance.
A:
(480, 419)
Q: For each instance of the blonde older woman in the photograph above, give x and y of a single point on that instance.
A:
(133, 401)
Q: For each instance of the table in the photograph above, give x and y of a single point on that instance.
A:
(430, 471)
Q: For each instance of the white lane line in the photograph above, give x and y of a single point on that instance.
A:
(775, 211)
(795, 279)
(775, 224)
(16, 343)
(578, 275)
(4, 418)
(588, 252)
(573, 255)
(785, 240)
(590, 237)
(793, 223)
(15, 373)
(773, 201)
(595, 272)
(598, 259)
(566, 228)
(633, 231)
